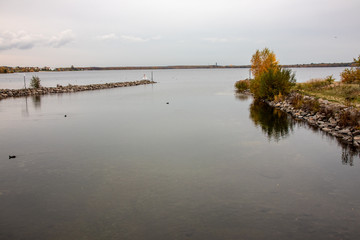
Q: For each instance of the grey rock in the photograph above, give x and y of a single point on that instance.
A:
(345, 131)
(325, 129)
(333, 121)
(357, 138)
(347, 138)
(356, 133)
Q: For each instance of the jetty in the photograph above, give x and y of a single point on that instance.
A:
(24, 92)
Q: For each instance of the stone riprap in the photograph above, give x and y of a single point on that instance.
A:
(331, 125)
(6, 93)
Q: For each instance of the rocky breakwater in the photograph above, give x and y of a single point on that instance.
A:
(336, 119)
(6, 93)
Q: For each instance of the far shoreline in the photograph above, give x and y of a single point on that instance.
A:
(6, 69)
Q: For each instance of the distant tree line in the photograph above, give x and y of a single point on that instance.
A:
(307, 65)
(72, 68)
(6, 69)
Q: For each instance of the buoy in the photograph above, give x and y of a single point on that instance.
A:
(65, 116)
(167, 103)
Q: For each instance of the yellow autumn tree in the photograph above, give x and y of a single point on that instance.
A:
(270, 79)
(263, 61)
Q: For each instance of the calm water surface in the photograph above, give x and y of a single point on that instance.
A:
(124, 164)
(51, 79)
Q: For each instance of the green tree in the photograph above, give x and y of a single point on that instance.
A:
(35, 82)
(275, 82)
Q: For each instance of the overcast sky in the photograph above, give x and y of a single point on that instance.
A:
(176, 32)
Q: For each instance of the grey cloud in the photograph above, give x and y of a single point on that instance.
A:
(62, 39)
(134, 39)
(216, 40)
(224, 40)
(138, 39)
(23, 40)
(18, 40)
(109, 36)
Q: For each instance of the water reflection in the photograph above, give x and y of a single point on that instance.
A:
(347, 158)
(277, 125)
(242, 97)
(25, 108)
(348, 154)
(348, 151)
(25, 111)
(274, 123)
(37, 101)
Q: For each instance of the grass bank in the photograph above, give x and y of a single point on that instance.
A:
(347, 94)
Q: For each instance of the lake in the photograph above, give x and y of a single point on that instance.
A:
(124, 164)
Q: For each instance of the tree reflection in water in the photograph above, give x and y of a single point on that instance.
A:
(274, 123)
(348, 153)
(277, 125)
(347, 158)
(242, 97)
(37, 101)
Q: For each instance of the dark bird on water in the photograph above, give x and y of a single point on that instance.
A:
(12, 156)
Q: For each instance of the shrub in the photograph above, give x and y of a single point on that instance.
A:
(35, 82)
(242, 85)
(279, 98)
(307, 104)
(349, 118)
(330, 79)
(312, 105)
(328, 111)
(352, 75)
(297, 101)
(272, 83)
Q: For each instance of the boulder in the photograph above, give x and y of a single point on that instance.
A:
(325, 129)
(356, 133)
(357, 138)
(345, 131)
(347, 138)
